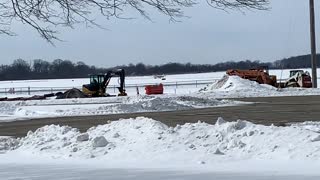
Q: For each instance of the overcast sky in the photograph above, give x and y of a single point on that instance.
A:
(208, 36)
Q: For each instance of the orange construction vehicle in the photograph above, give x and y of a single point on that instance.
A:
(260, 75)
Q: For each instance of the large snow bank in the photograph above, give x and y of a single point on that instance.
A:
(234, 86)
(235, 83)
(147, 140)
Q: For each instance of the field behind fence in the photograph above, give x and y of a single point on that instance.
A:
(170, 87)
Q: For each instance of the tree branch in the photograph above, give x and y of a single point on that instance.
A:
(46, 15)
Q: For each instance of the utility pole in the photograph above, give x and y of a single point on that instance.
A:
(313, 45)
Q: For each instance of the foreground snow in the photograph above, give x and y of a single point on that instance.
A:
(237, 147)
(86, 172)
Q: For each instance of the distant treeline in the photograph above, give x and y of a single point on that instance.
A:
(41, 69)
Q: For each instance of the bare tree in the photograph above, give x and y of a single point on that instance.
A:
(46, 15)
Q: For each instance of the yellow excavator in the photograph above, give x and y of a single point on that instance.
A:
(99, 83)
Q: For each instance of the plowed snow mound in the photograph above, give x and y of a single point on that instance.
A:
(235, 87)
(235, 83)
(100, 106)
(143, 139)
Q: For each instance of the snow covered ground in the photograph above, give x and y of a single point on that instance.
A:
(76, 172)
(143, 148)
(187, 98)
(23, 110)
(130, 80)
(85, 172)
(174, 84)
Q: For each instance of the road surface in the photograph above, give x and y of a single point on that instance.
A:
(270, 110)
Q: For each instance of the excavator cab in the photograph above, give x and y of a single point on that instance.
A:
(96, 79)
(99, 83)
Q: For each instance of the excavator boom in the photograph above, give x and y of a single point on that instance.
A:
(120, 73)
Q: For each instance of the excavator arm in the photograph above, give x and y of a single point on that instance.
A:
(120, 73)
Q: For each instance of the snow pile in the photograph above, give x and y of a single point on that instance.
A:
(8, 108)
(235, 87)
(8, 143)
(309, 125)
(147, 140)
(165, 103)
(102, 106)
(235, 83)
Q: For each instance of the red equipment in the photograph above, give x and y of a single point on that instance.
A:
(154, 89)
(260, 75)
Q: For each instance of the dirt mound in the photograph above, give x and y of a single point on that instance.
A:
(71, 93)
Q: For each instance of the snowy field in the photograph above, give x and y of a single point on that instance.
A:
(182, 97)
(144, 148)
(174, 84)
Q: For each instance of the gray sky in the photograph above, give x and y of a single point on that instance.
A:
(209, 36)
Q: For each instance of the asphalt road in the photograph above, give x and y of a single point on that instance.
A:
(272, 110)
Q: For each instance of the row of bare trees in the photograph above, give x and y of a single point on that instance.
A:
(41, 69)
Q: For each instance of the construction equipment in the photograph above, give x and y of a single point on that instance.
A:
(154, 89)
(260, 75)
(299, 78)
(99, 83)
